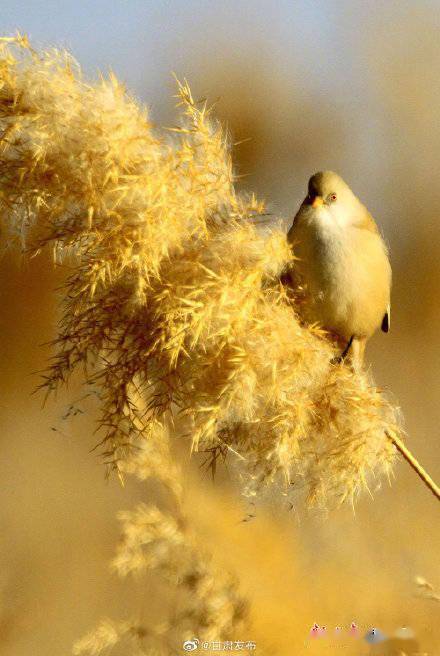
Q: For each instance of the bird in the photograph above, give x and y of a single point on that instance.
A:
(342, 262)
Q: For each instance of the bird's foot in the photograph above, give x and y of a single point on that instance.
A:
(339, 359)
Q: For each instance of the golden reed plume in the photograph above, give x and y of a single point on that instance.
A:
(173, 291)
(174, 310)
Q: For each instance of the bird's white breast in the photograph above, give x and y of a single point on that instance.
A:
(346, 270)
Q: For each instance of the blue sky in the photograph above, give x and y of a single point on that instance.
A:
(143, 40)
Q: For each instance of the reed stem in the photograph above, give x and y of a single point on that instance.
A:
(413, 462)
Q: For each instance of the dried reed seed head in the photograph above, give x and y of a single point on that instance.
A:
(213, 607)
(174, 294)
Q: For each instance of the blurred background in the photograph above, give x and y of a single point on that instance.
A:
(347, 85)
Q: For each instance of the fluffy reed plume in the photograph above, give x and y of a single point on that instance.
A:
(110, 634)
(174, 294)
(209, 606)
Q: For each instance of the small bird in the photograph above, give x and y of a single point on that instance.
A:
(342, 262)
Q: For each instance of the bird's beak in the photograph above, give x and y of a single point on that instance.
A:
(317, 201)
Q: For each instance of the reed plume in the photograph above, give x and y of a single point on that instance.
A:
(162, 542)
(173, 293)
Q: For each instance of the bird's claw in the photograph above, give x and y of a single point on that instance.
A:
(339, 359)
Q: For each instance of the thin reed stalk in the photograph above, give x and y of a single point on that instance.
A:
(414, 463)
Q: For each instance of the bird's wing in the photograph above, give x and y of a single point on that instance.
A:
(366, 221)
(291, 234)
(295, 219)
(386, 321)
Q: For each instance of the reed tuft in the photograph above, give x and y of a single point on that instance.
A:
(173, 295)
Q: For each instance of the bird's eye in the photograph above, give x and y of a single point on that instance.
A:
(332, 197)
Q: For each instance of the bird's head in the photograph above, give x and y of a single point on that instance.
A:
(330, 197)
